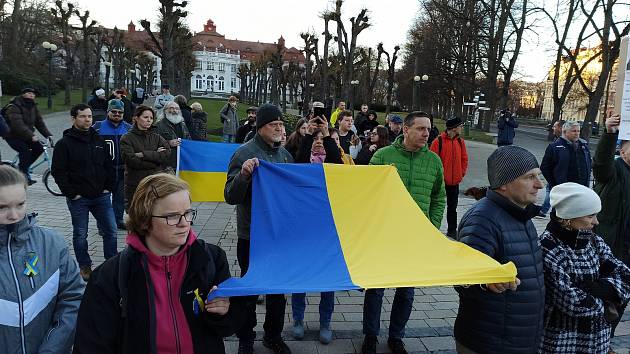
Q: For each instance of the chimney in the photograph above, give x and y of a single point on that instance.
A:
(131, 27)
(281, 41)
(209, 27)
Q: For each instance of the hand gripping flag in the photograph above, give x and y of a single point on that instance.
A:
(335, 227)
(204, 166)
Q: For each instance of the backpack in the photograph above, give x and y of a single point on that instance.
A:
(4, 126)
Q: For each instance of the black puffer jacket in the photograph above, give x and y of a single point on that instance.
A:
(82, 165)
(23, 117)
(510, 322)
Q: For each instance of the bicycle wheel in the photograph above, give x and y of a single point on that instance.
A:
(50, 184)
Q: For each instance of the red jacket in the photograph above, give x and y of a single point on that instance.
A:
(454, 158)
(167, 276)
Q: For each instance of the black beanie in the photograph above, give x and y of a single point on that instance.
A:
(267, 113)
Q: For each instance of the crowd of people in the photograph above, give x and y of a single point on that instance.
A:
(572, 285)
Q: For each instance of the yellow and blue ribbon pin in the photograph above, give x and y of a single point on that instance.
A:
(31, 266)
(197, 302)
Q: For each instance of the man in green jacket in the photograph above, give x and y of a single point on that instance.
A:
(421, 172)
(612, 183)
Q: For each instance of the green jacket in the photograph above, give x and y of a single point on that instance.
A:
(612, 183)
(238, 189)
(421, 173)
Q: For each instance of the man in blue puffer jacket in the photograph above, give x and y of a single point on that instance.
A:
(504, 318)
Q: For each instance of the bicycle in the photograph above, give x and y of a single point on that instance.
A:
(47, 178)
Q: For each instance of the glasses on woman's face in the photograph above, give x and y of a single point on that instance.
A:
(174, 219)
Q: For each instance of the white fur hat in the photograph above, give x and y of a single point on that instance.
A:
(572, 200)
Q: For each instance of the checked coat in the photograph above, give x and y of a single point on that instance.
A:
(574, 314)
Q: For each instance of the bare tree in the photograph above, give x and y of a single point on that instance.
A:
(87, 30)
(391, 67)
(62, 18)
(348, 46)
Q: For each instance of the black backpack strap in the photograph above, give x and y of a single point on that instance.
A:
(439, 145)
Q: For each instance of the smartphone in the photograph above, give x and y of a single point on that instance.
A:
(322, 112)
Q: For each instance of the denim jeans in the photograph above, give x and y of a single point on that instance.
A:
(228, 138)
(326, 307)
(28, 152)
(401, 310)
(118, 197)
(547, 203)
(101, 209)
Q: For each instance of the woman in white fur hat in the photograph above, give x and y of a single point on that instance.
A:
(586, 285)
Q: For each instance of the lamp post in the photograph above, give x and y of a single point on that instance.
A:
(108, 68)
(354, 84)
(310, 96)
(418, 81)
(50, 49)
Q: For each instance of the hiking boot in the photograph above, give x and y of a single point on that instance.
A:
(85, 272)
(369, 345)
(325, 335)
(396, 345)
(298, 330)
(277, 345)
(31, 182)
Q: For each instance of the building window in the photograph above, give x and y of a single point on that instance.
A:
(210, 65)
(221, 66)
(233, 67)
(210, 83)
(233, 82)
(198, 82)
(221, 83)
(199, 65)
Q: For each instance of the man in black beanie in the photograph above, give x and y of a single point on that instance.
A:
(504, 317)
(23, 118)
(264, 146)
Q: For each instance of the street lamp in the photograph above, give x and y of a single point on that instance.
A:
(354, 84)
(50, 49)
(108, 67)
(310, 97)
(418, 80)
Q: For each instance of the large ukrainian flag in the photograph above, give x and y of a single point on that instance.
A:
(204, 166)
(336, 227)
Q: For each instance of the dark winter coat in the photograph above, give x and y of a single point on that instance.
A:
(187, 114)
(506, 131)
(112, 135)
(99, 108)
(510, 322)
(23, 117)
(563, 163)
(82, 165)
(243, 130)
(136, 168)
(170, 131)
(229, 119)
(109, 324)
(238, 188)
(199, 122)
(612, 183)
(359, 119)
(582, 277)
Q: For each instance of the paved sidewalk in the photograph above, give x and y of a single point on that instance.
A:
(430, 327)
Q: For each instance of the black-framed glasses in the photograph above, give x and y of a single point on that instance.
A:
(175, 219)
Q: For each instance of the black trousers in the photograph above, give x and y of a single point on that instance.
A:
(452, 195)
(28, 152)
(276, 304)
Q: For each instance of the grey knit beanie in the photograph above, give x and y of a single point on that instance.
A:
(508, 163)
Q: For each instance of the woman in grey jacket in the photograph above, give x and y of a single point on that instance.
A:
(40, 287)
